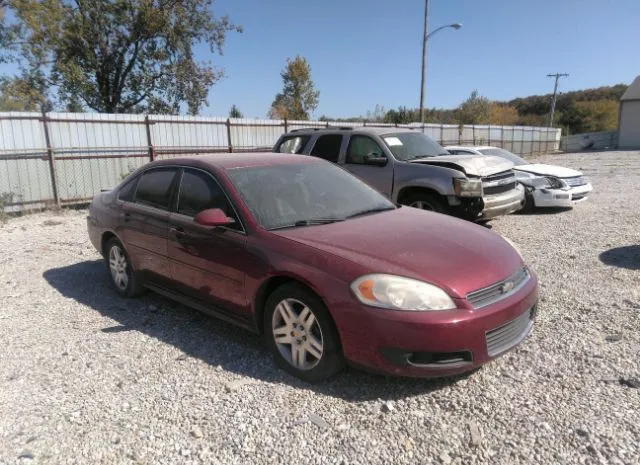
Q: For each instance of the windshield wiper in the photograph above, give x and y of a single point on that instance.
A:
(309, 222)
(371, 210)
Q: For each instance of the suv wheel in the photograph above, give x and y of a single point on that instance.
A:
(425, 201)
(301, 334)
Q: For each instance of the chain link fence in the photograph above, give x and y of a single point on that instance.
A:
(58, 159)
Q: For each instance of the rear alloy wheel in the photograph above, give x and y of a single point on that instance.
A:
(425, 201)
(300, 332)
(122, 274)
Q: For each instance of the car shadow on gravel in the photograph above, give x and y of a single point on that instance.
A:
(216, 342)
(622, 257)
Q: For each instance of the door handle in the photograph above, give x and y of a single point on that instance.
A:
(177, 230)
(126, 216)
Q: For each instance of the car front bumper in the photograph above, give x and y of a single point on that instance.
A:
(434, 344)
(503, 204)
(561, 197)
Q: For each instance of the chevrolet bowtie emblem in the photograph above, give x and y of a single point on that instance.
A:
(507, 287)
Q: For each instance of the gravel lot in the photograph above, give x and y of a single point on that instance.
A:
(88, 377)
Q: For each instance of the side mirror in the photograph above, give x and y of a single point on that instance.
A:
(213, 217)
(375, 159)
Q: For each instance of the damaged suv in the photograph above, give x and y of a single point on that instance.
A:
(412, 169)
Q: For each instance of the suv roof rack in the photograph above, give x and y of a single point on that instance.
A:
(335, 128)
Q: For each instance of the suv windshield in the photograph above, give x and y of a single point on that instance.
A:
(505, 154)
(303, 194)
(410, 145)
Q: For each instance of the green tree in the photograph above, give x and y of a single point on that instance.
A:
(235, 112)
(501, 114)
(475, 110)
(19, 94)
(122, 56)
(299, 96)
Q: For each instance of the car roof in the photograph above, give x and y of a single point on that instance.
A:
(354, 129)
(238, 160)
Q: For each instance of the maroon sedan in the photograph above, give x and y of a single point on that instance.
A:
(325, 267)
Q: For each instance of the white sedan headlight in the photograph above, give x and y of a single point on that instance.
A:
(398, 293)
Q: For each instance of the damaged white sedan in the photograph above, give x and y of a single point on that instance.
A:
(545, 185)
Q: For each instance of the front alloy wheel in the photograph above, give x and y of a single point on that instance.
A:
(302, 334)
(297, 334)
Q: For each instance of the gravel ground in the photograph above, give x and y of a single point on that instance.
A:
(87, 377)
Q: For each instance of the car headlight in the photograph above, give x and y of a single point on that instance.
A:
(577, 181)
(515, 247)
(467, 187)
(543, 182)
(398, 293)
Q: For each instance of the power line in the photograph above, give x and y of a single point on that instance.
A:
(555, 94)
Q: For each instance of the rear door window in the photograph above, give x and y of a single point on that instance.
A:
(293, 144)
(127, 192)
(327, 147)
(155, 188)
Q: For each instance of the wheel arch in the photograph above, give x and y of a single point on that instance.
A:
(408, 191)
(274, 282)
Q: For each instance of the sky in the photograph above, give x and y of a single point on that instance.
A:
(365, 53)
(368, 52)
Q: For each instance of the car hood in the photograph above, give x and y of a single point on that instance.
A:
(549, 170)
(474, 165)
(456, 255)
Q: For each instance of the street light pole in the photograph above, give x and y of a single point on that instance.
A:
(425, 37)
(424, 59)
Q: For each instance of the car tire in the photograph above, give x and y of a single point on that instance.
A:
(425, 201)
(123, 276)
(529, 203)
(301, 334)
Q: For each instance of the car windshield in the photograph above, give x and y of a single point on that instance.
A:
(411, 145)
(303, 194)
(505, 154)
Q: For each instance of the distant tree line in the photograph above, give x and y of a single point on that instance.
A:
(577, 111)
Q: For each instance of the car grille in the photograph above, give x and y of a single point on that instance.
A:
(499, 182)
(575, 181)
(510, 334)
(499, 189)
(498, 291)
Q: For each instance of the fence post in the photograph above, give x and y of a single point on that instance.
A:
(532, 141)
(460, 129)
(52, 161)
(327, 124)
(473, 131)
(228, 124)
(152, 152)
(286, 125)
(441, 134)
(489, 137)
(502, 136)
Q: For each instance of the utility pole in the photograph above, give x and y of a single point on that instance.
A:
(424, 59)
(555, 94)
